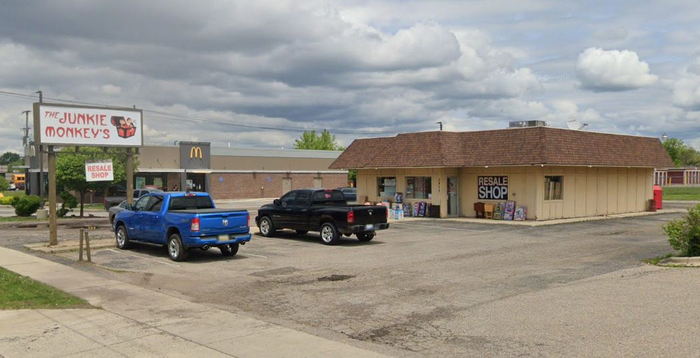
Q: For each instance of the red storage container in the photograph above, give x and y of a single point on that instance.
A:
(658, 196)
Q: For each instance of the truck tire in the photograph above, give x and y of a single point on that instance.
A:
(365, 236)
(176, 250)
(229, 250)
(122, 237)
(329, 234)
(302, 232)
(266, 226)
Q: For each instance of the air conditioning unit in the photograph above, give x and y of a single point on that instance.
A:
(518, 124)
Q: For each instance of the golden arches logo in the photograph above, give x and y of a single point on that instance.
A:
(196, 152)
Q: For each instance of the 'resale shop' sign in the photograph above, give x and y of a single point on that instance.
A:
(75, 125)
(99, 170)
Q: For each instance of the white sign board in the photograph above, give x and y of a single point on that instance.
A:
(75, 125)
(99, 170)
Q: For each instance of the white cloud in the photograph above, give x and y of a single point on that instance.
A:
(612, 70)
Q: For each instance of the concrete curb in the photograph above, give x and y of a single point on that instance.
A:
(70, 245)
(176, 327)
(693, 261)
(73, 223)
(534, 223)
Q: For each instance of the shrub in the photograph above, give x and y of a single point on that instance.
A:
(7, 200)
(68, 202)
(684, 234)
(4, 185)
(27, 205)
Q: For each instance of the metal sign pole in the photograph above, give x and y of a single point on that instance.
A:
(53, 234)
(129, 176)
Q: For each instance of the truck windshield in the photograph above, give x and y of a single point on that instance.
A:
(331, 197)
(190, 203)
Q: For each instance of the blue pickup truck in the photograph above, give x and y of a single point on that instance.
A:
(182, 221)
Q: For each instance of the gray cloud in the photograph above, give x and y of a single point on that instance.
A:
(370, 67)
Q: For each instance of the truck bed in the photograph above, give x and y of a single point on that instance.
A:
(205, 211)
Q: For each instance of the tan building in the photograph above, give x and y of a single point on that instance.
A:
(235, 173)
(552, 173)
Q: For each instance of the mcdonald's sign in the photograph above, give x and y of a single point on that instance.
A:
(196, 152)
(195, 155)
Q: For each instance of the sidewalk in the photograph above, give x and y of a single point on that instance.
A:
(134, 321)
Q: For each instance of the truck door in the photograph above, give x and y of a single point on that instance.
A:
(281, 215)
(300, 210)
(151, 219)
(135, 225)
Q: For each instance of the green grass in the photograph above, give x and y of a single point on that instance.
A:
(19, 292)
(13, 193)
(682, 193)
(657, 259)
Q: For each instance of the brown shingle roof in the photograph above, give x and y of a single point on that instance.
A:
(502, 147)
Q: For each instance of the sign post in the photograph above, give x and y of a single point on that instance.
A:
(70, 125)
(53, 230)
(129, 176)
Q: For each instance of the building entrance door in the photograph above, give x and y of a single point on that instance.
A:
(196, 182)
(318, 183)
(453, 196)
(286, 185)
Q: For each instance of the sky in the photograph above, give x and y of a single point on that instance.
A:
(257, 73)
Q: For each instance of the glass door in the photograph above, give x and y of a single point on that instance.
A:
(453, 196)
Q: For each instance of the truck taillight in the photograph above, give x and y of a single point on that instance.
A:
(247, 218)
(351, 217)
(195, 225)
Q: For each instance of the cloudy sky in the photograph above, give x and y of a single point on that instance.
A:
(255, 73)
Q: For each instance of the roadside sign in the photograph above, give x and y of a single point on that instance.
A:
(79, 125)
(99, 170)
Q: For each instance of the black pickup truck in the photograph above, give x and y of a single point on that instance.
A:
(322, 210)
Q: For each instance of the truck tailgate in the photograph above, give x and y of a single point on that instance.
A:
(369, 214)
(229, 222)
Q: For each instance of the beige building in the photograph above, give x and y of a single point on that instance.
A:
(552, 173)
(235, 173)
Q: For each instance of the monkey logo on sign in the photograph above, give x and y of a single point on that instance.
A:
(196, 152)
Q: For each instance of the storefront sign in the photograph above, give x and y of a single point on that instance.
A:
(99, 170)
(75, 125)
(195, 155)
(492, 187)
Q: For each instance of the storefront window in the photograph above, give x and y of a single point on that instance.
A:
(418, 187)
(553, 187)
(386, 187)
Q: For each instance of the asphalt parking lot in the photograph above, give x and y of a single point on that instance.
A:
(444, 288)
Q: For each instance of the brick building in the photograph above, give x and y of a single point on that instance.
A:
(234, 173)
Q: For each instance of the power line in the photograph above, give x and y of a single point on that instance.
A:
(196, 120)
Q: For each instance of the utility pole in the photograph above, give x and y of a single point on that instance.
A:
(25, 141)
(439, 123)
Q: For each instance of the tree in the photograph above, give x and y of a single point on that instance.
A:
(682, 154)
(8, 158)
(4, 185)
(321, 141)
(70, 169)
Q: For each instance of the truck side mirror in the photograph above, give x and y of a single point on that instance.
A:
(276, 202)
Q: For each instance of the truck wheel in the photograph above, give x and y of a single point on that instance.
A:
(302, 232)
(229, 250)
(176, 250)
(365, 236)
(267, 228)
(122, 238)
(329, 234)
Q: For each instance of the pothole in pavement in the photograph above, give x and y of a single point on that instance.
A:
(335, 277)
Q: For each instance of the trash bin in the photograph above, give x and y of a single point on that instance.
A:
(658, 196)
(479, 209)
